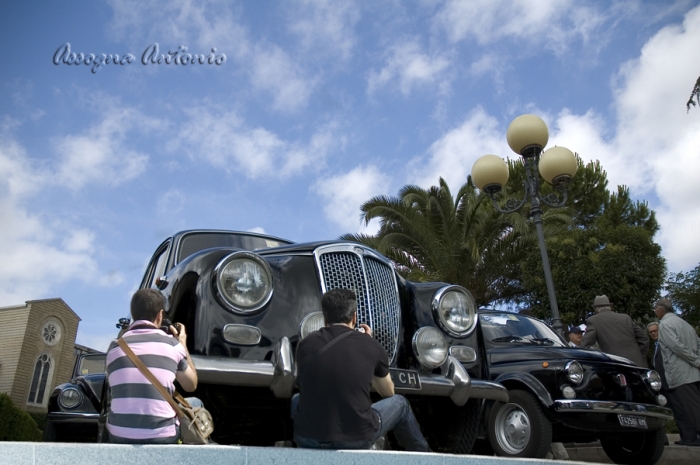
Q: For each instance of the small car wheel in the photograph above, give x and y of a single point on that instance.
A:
(635, 448)
(519, 428)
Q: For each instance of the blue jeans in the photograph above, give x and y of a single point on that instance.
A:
(394, 414)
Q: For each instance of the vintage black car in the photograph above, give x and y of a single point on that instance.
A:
(75, 406)
(247, 299)
(565, 394)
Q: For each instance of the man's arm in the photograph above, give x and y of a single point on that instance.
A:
(188, 378)
(642, 339)
(384, 386)
(669, 337)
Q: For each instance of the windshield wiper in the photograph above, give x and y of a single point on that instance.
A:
(544, 340)
(509, 338)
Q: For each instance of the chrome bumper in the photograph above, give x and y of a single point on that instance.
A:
(278, 375)
(603, 406)
(73, 417)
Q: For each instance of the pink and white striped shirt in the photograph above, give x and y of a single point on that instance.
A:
(138, 411)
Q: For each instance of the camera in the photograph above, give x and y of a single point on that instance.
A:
(166, 327)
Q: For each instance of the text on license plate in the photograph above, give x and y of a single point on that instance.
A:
(407, 379)
(634, 422)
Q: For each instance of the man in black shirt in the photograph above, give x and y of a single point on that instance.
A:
(336, 367)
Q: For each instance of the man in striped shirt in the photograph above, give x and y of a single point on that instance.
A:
(138, 413)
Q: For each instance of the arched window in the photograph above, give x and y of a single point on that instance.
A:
(39, 380)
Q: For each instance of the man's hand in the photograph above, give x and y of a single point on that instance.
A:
(366, 329)
(178, 330)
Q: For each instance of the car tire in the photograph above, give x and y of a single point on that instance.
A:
(519, 428)
(635, 448)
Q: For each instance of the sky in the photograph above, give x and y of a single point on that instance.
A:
(303, 110)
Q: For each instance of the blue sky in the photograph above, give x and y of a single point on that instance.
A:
(319, 106)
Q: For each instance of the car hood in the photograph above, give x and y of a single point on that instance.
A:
(525, 353)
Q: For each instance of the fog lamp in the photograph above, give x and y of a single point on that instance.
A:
(311, 322)
(568, 392)
(70, 398)
(661, 399)
(463, 353)
(242, 334)
(430, 346)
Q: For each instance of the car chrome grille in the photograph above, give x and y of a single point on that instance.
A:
(374, 283)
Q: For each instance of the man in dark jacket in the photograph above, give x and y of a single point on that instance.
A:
(615, 333)
(336, 367)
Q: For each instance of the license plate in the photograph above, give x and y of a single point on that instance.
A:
(633, 422)
(406, 379)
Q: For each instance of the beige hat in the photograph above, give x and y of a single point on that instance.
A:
(601, 301)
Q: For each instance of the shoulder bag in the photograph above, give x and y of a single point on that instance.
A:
(196, 423)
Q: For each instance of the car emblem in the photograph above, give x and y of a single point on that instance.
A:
(621, 380)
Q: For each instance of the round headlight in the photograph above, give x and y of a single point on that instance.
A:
(568, 392)
(456, 310)
(243, 282)
(430, 346)
(654, 380)
(311, 322)
(70, 398)
(574, 372)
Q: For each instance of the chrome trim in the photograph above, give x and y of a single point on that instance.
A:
(566, 371)
(220, 295)
(435, 305)
(223, 334)
(233, 372)
(604, 406)
(369, 310)
(282, 383)
(278, 375)
(420, 357)
(73, 416)
(80, 396)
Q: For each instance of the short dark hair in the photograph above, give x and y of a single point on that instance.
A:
(665, 304)
(146, 303)
(339, 306)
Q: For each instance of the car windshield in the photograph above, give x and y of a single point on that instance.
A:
(93, 363)
(194, 242)
(509, 328)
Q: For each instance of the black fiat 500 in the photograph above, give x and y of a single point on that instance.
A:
(248, 299)
(565, 394)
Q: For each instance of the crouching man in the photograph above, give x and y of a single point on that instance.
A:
(335, 368)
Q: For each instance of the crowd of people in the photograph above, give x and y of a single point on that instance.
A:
(337, 364)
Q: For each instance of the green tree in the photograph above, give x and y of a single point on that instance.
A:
(614, 255)
(684, 291)
(694, 95)
(433, 236)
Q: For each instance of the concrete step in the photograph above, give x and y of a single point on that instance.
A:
(673, 455)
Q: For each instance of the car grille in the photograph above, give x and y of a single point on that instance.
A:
(374, 284)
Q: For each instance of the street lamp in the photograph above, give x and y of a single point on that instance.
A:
(527, 135)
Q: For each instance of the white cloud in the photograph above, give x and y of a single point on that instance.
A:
(100, 154)
(222, 138)
(345, 193)
(552, 23)
(325, 26)
(274, 71)
(411, 67)
(452, 156)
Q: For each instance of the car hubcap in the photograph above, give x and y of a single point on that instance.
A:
(512, 429)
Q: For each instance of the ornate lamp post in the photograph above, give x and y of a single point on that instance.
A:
(528, 135)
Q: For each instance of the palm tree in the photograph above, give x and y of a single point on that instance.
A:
(432, 236)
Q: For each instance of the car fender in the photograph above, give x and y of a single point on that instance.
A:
(511, 380)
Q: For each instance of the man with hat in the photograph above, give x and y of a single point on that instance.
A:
(575, 336)
(680, 353)
(615, 333)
